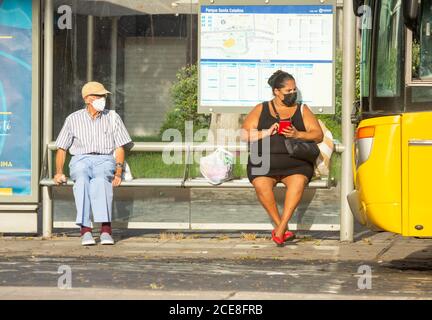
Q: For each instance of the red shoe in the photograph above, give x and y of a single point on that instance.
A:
(276, 239)
(289, 236)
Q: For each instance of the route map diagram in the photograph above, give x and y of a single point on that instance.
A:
(241, 46)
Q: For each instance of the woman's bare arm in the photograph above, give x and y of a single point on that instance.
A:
(313, 129)
(249, 132)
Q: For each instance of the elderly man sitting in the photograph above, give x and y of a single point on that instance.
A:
(91, 135)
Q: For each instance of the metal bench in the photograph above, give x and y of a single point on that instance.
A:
(46, 180)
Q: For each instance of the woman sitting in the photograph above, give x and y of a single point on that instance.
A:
(261, 129)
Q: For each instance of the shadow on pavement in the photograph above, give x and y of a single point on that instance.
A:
(417, 261)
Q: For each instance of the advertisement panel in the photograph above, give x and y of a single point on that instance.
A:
(16, 99)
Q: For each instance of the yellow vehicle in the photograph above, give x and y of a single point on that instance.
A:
(392, 151)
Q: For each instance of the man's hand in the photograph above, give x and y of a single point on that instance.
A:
(59, 178)
(116, 181)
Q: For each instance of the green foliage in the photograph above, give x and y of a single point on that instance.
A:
(387, 72)
(185, 103)
(416, 59)
(154, 138)
(150, 165)
(333, 121)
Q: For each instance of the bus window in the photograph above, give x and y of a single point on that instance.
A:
(389, 52)
(365, 57)
(419, 92)
(415, 56)
(421, 95)
(426, 41)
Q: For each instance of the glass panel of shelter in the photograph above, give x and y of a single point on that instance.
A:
(136, 49)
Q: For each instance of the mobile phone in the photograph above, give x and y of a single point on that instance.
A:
(283, 124)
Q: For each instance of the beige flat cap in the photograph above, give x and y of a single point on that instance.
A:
(93, 88)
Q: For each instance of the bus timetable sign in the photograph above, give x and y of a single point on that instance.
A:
(240, 46)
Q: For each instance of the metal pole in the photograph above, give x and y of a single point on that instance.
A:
(90, 45)
(114, 29)
(47, 212)
(348, 97)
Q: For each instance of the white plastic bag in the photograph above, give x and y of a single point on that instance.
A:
(127, 173)
(218, 166)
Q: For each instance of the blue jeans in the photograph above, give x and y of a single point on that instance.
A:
(93, 188)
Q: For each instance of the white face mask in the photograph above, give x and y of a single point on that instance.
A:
(99, 104)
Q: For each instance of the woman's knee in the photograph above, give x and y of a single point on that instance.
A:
(295, 183)
(263, 189)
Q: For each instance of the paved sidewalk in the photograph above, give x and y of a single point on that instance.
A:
(370, 247)
(28, 293)
(217, 266)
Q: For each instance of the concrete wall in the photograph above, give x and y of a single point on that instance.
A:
(150, 71)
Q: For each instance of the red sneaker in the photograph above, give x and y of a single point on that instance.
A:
(288, 236)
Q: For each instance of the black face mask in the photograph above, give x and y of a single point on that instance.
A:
(290, 99)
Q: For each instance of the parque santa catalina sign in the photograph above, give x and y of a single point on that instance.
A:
(240, 46)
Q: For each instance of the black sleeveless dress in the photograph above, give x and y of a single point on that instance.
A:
(281, 164)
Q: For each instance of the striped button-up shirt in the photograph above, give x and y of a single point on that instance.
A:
(82, 134)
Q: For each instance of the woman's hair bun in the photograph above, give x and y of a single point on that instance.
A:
(278, 79)
(271, 81)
